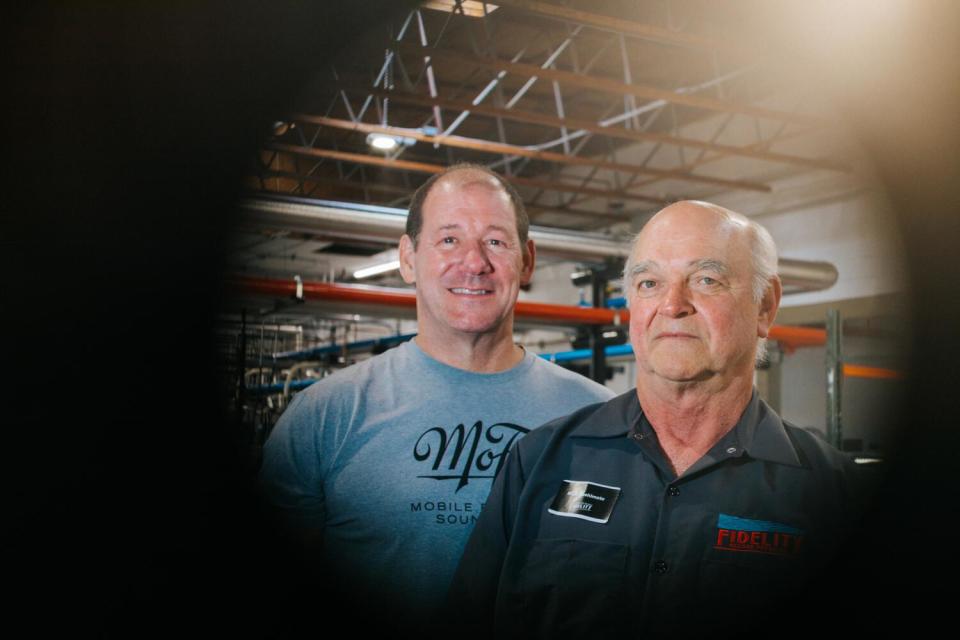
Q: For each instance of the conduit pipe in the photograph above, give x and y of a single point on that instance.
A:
(386, 224)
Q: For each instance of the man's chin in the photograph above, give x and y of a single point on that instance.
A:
(686, 373)
(477, 326)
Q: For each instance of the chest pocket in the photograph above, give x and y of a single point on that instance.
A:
(574, 587)
(731, 581)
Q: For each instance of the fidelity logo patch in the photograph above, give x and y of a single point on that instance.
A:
(586, 500)
(757, 536)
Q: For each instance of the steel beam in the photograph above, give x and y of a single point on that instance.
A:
(546, 156)
(423, 167)
(609, 85)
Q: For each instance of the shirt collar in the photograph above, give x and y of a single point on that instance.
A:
(759, 432)
(762, 435)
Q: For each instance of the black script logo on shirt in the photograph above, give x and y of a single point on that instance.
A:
(467, 454)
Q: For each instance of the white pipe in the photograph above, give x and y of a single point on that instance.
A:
(385, 224)
(364, 222)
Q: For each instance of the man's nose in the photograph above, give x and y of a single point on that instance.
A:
(475, 259)
(676, 301)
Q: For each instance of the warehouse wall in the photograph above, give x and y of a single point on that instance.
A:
(858, 235)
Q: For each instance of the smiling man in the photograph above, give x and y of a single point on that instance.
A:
(385, 466)
(685, 506)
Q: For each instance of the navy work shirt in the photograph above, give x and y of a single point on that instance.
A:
(738, 531)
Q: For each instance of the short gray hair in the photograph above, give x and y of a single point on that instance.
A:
(763, 259)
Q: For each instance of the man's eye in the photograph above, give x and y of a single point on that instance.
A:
(448, 240)
(646, 284)
(495, 242)
(707, 280)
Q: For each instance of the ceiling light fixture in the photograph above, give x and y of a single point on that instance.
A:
(376, 269)
(382, 141)
(382, 262)
(388, 141)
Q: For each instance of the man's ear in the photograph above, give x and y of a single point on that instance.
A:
(407, 269)
(769, 306)
(529, 260)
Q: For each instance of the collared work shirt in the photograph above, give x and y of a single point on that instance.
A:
(735, 532)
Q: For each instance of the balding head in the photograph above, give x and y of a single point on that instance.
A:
(461, 175)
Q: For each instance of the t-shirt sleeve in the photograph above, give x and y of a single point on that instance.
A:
(291, 475)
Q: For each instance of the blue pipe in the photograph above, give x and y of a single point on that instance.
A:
(563, 356)
(584, 354)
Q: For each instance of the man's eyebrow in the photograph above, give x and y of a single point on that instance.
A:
(643, 267)
(710, 264)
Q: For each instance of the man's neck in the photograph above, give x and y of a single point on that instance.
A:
(690, 418)
(480, 353)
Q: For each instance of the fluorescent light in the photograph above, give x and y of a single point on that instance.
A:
(373, 270)
(473, 8)
(382, 141)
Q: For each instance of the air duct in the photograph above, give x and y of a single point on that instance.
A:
(386, 224)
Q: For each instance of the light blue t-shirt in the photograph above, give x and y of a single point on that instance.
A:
(392, 459)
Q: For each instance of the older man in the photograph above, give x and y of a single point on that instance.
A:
(386, 465)
(686, 505)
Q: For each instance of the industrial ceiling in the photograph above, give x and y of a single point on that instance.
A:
(599, 113)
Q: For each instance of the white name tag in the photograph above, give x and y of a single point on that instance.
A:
(585, 500)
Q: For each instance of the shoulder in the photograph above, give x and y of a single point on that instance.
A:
(335, 402)
(570, 380)
(830, 469)
(815, 452)
(835, 476)
(346, 382)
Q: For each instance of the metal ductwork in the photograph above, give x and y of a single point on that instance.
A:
(799, 276)
(386, 224)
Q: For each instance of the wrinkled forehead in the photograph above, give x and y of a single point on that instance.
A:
(692, 233)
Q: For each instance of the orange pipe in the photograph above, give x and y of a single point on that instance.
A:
(791, 337)
(798, 336)
(875, 373)
(392, 297)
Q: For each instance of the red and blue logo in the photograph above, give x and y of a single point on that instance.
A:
(757, 536)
